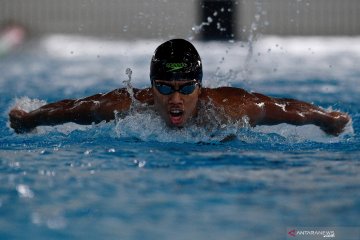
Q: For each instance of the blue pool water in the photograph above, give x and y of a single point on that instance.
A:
(135, 179)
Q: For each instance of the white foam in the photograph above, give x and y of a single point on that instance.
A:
(24, 191)
(148, 126)
(27, 104)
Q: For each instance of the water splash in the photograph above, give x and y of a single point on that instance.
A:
(27, 104)
(198, 28)
(252, 39)
(127, 82)
(24, 191)
(148, 126)
(208, 126)
(211, 126)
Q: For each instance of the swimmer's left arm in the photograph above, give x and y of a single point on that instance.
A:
(93, 109)
(88, 110)
(282, 110)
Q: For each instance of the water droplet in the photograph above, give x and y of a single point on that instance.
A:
(24, 191)
(128, 72)
(50, 173)
(141, 164)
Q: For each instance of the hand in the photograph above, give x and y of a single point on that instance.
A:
(336, 123)
(19, 121)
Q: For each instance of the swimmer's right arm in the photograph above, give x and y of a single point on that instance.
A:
(93, 109)
(284, 110)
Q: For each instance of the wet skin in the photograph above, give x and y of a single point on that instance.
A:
(176, 109)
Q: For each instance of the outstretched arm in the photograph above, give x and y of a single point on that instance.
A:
(93, 109)
(282, 110)
(263, 110)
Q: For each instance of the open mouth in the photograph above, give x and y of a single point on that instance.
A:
(176, 116)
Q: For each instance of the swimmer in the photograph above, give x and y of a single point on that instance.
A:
(177, 95)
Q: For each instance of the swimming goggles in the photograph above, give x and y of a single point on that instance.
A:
(185, 89)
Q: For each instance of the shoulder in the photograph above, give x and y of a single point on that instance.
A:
(139, 94)
(235, 103)
(144, 95)
(223, 93)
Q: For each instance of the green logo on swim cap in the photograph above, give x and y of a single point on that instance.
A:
(171, 67)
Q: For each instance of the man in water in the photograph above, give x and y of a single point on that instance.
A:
(176, 94)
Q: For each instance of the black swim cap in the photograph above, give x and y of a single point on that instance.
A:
(176, 59)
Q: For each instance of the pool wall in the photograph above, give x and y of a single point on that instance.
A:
(129, 19)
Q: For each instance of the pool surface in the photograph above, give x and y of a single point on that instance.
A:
(136, 179)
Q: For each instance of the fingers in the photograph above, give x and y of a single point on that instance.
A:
(336, 123)
(17, 114)
(18, 121)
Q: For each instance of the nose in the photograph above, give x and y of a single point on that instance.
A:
(175, 98)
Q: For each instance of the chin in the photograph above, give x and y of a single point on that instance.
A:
(176, 124)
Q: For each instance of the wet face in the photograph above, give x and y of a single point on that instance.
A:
(176, 107)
